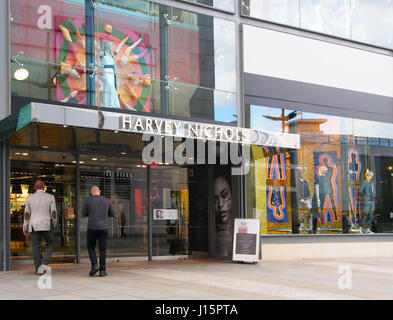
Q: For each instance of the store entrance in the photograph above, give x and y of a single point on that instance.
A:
(59, 181)
(161, 210)
(179, 202)
(126, 187)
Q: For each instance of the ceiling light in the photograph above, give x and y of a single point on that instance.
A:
(21, 74)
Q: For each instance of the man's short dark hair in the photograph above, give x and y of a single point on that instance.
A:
(93, 187)
(39, 185)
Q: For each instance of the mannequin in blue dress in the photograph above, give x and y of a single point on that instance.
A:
(110, 98)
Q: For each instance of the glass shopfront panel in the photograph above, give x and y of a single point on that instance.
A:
(280, 11)
(141, 55)
(227, 5)
(112, 161)
(37, 153)
(339, 181)
(330, 17)
(372, 22)
(166, 60)
(48, 50)
(359, 20)
(70, 160)
(180, 217)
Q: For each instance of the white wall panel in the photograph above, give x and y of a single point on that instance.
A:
(286, 56)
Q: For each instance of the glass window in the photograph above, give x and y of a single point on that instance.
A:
(165, 60)
(41, 152)
(48, 47)
(339, 181)
(141, 56)
(112, 161)
(326, 16)
(372, 22)
(227, 5)
(279, 11)
(360, 20)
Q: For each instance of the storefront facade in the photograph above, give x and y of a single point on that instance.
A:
(311, 102)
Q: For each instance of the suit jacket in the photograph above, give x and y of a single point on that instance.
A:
(38, 212)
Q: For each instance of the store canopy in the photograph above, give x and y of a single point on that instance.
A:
(15, 122)
(143, 124)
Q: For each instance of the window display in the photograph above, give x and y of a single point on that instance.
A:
(135, 56)
(337, 182)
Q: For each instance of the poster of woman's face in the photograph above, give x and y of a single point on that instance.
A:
(223, 201)
(223, 215)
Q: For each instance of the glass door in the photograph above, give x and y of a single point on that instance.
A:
(179, 209)
(127, 189)
(170, 210)
(59, 180)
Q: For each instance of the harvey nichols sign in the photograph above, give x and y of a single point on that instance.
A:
(204, 131)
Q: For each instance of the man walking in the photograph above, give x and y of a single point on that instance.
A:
(98, 209)
(39, 221)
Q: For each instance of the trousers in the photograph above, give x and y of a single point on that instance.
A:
(102, 237)
(36, 237)
(367, 216)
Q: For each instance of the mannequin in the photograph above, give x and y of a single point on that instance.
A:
(323, 188)
(303, 198)
(367, 191)
(110, 98)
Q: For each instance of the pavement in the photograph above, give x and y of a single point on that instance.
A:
(208, 279)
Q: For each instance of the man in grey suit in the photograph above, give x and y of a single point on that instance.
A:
(40, 221)
(98, 209)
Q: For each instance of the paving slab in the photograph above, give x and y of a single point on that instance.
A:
(208, 279)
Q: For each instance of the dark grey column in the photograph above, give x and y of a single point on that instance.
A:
(4, 207)
(4, 59)
(90, 53)
(149, 216)
(4, 148)
(165, 40)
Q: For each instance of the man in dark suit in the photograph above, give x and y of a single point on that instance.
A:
(98, 209)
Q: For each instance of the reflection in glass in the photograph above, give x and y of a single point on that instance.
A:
(325, 186)
(167, 60)
(50, 43)
(372, 22)
(228, 5)
(360, 20)
(326, 16)
(279, 11)
(47, 159)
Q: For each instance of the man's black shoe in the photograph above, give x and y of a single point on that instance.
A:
(103, 273)
(94, 270)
